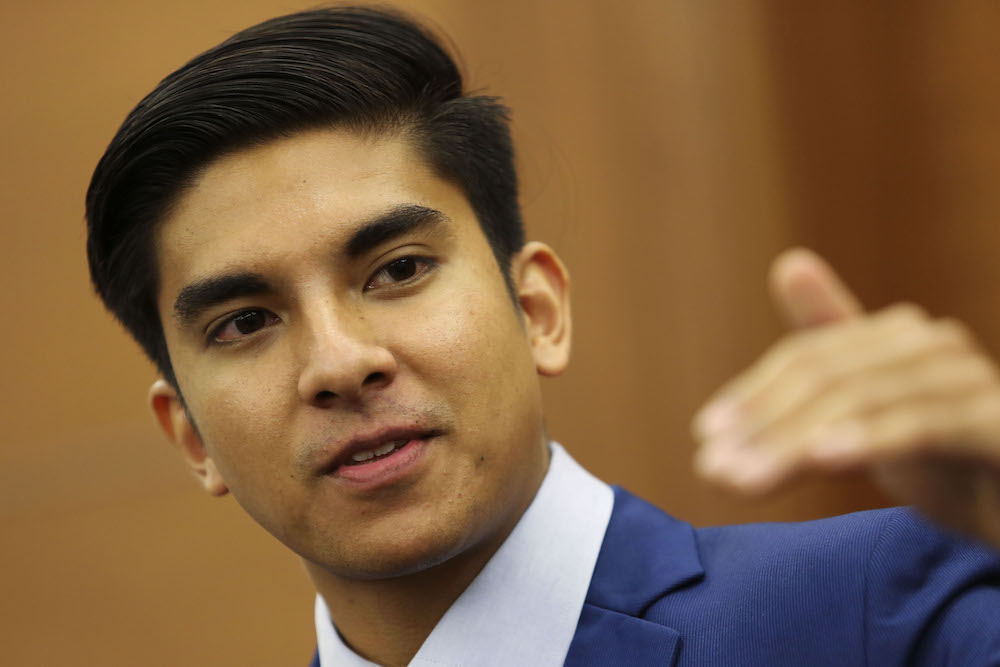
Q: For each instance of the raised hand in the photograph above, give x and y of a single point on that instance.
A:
(912, 398)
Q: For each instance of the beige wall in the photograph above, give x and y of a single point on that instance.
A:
(668, 149)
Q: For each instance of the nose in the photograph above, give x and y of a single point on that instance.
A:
(342, 360)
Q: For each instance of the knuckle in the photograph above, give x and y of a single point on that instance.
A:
(905, 312)
(847, 404)
(785, 350)
(977, 415)
(911, 429)
(919, 430)
(812, 367)
(982, 368)
(873, 395)
(989, 408)
(791, 344)
(951, 332)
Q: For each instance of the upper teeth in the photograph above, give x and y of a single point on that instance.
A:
(381, 450)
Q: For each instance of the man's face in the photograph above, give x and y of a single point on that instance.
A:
(326, 297)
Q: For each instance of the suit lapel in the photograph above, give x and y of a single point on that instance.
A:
(645, 555)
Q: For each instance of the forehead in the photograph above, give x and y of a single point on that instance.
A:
(308, 189)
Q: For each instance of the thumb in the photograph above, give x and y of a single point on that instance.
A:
(808, 292)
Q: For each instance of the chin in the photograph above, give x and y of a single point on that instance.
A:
(397, 553)
(398, 558)
(399, 564)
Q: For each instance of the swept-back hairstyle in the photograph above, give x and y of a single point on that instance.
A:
(371, 70)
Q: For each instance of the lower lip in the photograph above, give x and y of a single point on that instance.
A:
(392, 468)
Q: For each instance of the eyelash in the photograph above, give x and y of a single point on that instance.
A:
(423, 266)
(216, 332)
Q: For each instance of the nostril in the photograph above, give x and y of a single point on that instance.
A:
(325, 396)
(374, 377)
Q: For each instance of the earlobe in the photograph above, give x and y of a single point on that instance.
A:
(543, 294)
(176, 424)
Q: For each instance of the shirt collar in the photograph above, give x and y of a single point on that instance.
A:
(523, 606)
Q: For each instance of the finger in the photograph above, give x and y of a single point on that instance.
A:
(847, 426)
(830, 432)
(948, 380)
(898, 357)
(960, 426)
(749, 471)
(808, 292)
(801, 364)
(966, 427)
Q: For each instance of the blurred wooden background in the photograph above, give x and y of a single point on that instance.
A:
(669, 149)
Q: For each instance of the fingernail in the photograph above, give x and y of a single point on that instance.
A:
(715, 461)
(756, 472)
(716, 417)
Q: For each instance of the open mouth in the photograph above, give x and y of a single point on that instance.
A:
(376, 454)
(383, 462)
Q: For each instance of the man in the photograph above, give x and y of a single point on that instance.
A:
(314, 233)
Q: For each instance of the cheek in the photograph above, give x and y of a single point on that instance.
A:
(240, 417)
(247, 430)
(473, 350)
(474, 337)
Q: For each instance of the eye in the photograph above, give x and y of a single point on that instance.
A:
(400, 270)
(243, 324)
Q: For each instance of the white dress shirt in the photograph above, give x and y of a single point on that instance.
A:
(523, 607)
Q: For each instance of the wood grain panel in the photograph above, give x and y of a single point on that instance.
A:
(667, 149)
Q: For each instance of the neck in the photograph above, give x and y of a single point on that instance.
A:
(387, 620)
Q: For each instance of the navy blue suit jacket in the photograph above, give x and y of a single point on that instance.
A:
(873, 588)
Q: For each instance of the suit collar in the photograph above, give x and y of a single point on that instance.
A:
(645, 555)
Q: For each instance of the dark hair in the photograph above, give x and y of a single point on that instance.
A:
(367, 69)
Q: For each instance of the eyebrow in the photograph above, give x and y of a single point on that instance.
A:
(197, 297)
(396, 222)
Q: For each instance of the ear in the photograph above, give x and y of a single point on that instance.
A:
(543, 294)
(176, 424)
